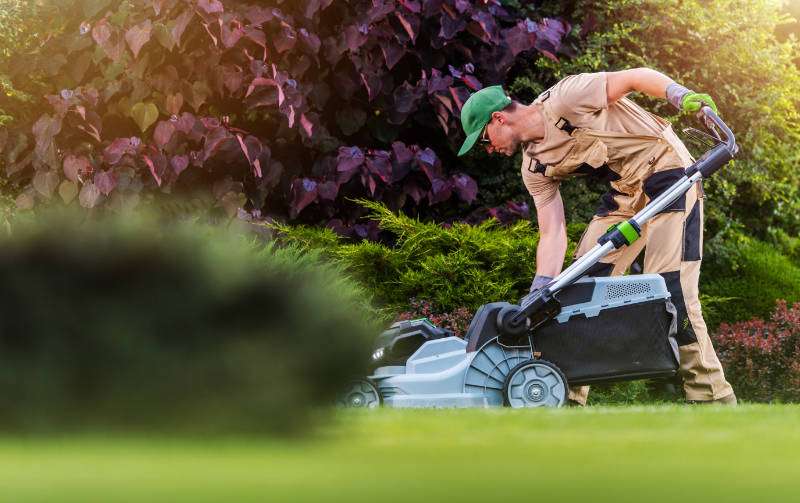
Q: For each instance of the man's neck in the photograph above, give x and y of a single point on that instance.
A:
(532, 123)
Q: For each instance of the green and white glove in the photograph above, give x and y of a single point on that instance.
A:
(688, 101)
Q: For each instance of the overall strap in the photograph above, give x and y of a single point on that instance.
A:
(564, 125)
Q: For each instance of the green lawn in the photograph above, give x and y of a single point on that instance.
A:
(619, 454)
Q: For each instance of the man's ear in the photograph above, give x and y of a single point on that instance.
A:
(499, 117)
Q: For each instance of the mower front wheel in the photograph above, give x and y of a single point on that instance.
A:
(360, 394)
(535, 383)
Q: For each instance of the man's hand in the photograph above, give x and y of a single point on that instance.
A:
(538, 283)
(688, 101)
(693, 102)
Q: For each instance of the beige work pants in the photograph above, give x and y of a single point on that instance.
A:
(672, 241)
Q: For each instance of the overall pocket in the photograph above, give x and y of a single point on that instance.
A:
(586, 149)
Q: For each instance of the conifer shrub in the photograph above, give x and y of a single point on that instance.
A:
(122, 324)
(451, 266)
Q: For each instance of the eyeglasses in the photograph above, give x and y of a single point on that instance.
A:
(485, 135)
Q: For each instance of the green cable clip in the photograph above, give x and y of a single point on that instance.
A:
(629, 230)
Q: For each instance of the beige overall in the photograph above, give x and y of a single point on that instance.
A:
(640, 156)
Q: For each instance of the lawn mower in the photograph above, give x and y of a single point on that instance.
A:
(576, 330)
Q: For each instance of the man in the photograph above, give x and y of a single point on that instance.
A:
(585, 125)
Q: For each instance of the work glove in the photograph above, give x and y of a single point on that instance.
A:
(537, 284)
(689, 101)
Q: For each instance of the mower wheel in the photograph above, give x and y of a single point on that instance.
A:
(360, 394)
(535, 383)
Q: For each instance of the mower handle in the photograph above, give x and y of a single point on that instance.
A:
(730, 140)
(717, 157)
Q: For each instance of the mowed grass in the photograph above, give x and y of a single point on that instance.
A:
(620, 454)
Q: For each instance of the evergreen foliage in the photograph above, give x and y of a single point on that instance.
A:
(451, 266)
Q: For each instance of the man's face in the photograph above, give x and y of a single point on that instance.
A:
(498, 136)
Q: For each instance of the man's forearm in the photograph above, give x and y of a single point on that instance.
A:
(550, 254)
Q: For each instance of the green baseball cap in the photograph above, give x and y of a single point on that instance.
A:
(477, 112)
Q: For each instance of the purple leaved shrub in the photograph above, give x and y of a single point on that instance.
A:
(282, 109)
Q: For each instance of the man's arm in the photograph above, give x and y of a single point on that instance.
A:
(643, 80)
(552, 238)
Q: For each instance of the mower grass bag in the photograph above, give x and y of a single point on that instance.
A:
(609, 329)
(612, 331)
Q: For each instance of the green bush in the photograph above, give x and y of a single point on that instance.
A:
(751, 274)
(454, 266)
(729, 49)
(122, 324)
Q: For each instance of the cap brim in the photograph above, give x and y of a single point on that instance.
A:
(470, 142)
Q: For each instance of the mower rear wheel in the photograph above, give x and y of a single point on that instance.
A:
(360, 394)
(535, 383)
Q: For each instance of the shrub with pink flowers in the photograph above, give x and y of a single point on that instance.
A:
(762, 358)
(457, 320)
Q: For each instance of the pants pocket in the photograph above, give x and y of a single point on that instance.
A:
(692, 228)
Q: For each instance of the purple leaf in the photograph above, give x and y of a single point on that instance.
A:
(484, 26)
(230, 35)
(210, 6)
(155, 171)
(213, 140)
(105, 182)
(402, 154)
(90, 195)
(310, 41)
(307, 124)
(550, 30)
(179, 163)
(465, 187)
(415, 191)
(519, 39)
(411, 5)
(450, 26)
(472, 82)
(258, 15)
(372, 83)
(441, 190)
(380, 164)
(354, 38)
(163, 133)
(114, 152)
(428, 163)
(285, 39)
(438, 82)
(410, 24)
(328, 190)
(232, 78)
(185, 123)
(392, 53)
(406, 97)
(348, 161)
(304, 192)
(76, 167)
(138, 35)
(181, 22)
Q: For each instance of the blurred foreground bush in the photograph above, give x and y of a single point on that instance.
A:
(120, 324)
(762, 358)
